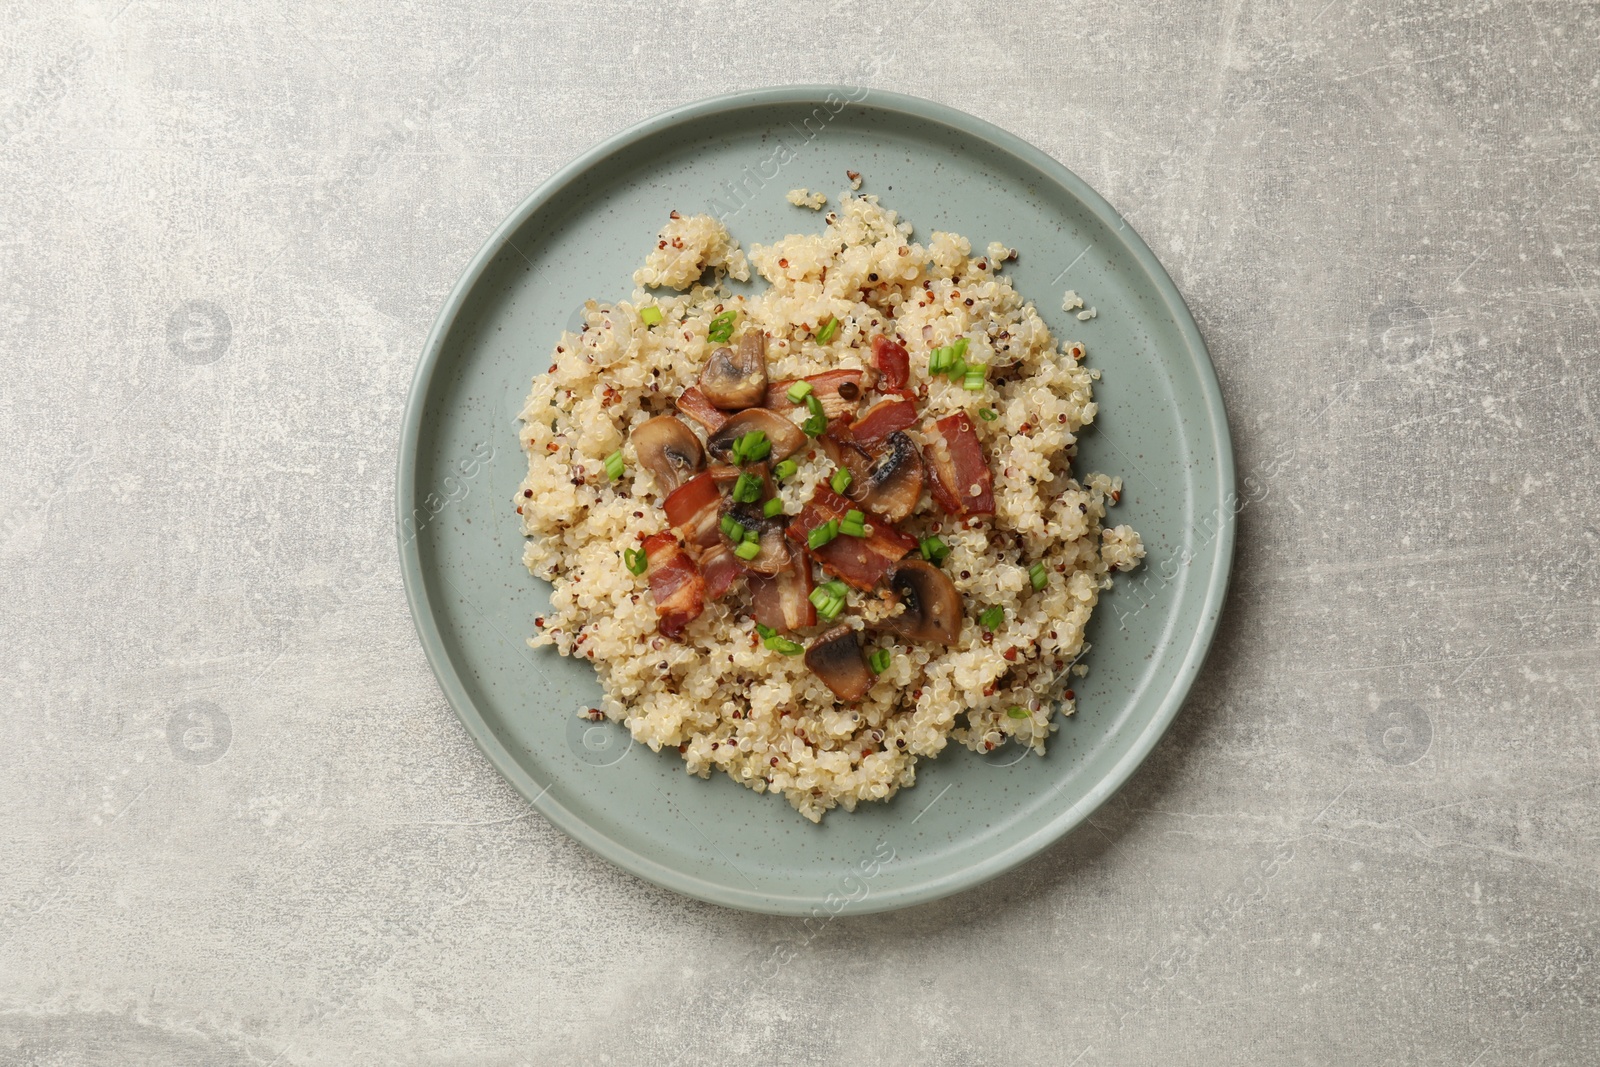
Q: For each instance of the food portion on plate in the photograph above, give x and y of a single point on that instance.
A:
(810, 536)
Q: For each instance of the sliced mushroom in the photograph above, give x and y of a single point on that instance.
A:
(887, 481)
(786, 438)
(668, 449)
(932, 603)
(835, 657)
(774, 555)
(737, 380)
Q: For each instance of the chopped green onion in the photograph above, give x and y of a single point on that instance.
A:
(817, 423)
(798, 392)
(841, 480)
(751, 447)
(992, 617)
(772, 508)
(747, 490)
(748, 550)
(650, 316)
(835, 588)
(822, 534)
(731, 527)
(987, 414)
(1038, 576)
(938, 360)
(973, 380)
(785, 469)
(721, 328)
(635, 559)
(1017, 711)
(827, 602)
(854, 516)
(777, 643)
(614, 465)
(934, 549)
(748, 535)
(853, 529)
(956, 368)
(879, 661)
(825, 333)
(958, 348)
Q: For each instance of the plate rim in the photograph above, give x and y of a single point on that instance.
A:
(471, 718)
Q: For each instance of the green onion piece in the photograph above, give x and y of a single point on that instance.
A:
(798, 392)
(777, 643)
(956, 368)
(772, 508)
(751, 447)
(747, 490)
(731, 527)
(830, 610)
(825, 333)
(1017, 711)
(650, 316)
(841, 480)
(879, 661)
(992, 617)
(614, 465)
(987, 414)
(934, 549)
(721, 328)
(938, 360)
(973, 381)
(785, 469)
(854, 516)
(819, 598)
(822, 534)
(817, 423)
(748, 550)
(1038, 576)
(748, 535)
(959, 347)
(835, 588)
(635, 559)
(853, 529)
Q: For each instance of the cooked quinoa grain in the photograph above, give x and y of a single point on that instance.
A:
(720, 695)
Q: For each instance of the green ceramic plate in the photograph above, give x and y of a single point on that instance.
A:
(581, 235)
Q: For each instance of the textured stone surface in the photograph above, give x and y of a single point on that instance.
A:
(240, 825)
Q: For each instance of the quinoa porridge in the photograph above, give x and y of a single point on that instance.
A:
(807, 538)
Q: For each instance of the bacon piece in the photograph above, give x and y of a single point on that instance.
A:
(860, 561)
(693, 509)
(826, 388)
(892, 361)
(722, 568)
(962, 484)
(675, 583)
(881, 420)
(699, 407)
(783, 602)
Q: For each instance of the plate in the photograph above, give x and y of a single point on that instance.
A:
(581, 235)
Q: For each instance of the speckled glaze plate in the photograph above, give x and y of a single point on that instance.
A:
(581, 235)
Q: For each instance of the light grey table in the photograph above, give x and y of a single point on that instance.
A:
(240, 826)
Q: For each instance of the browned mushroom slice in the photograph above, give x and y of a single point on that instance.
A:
(785, 437)
(932, 603)
(888, 481)
(668, 449)
(836, 658)
(737, 380)
(774, 555)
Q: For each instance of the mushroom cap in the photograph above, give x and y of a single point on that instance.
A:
(932, 603)
(894, 484)
(668, 449)
(835, 657)
(786, 438)
(736, 380)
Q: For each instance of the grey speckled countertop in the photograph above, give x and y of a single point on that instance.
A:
(240, 825)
